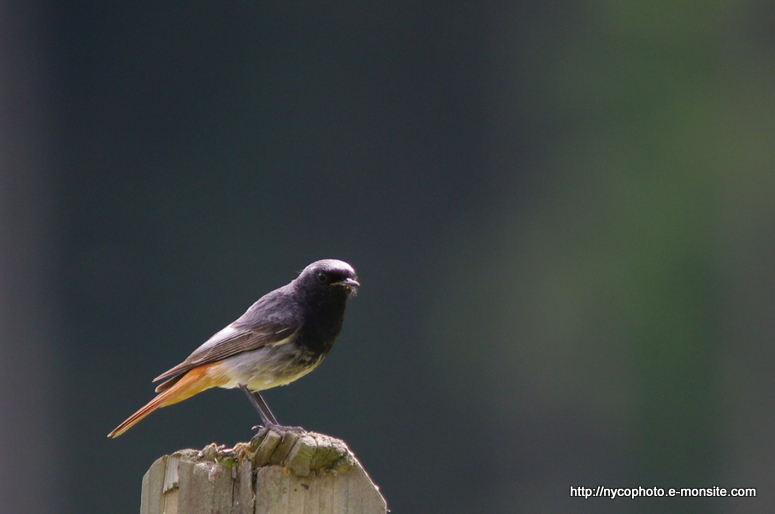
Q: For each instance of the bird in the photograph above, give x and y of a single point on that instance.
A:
(283, 336)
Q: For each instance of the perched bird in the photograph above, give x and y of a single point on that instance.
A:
(280, 338)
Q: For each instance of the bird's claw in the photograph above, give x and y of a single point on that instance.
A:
(280, 429)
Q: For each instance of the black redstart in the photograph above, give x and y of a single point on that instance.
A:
(280, 338)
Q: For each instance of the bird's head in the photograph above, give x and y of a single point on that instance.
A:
(329, 277)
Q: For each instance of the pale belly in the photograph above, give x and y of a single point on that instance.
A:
(265, 368)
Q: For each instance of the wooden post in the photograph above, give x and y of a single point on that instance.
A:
(305, 473)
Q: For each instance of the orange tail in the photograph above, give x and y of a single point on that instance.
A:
(193, 382)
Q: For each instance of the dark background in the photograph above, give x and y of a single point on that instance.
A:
(562, 215)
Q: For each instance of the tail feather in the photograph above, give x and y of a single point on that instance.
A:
(193, 382)
(167, 384)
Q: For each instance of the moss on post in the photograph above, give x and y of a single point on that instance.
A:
(303, 472)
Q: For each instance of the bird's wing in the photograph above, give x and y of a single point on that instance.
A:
(230, 341)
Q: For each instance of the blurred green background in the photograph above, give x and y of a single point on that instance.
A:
(562, 215)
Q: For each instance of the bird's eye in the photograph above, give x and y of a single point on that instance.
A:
(322, 277)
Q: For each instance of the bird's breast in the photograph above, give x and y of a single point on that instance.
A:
(268, 367)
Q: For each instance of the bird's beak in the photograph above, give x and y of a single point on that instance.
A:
(351, 282)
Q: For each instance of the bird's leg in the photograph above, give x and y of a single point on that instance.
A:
(258, 402)
(270, 422)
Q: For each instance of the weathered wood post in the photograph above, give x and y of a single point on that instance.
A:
(306, 473)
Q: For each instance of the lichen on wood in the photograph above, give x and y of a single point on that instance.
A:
(276, 473)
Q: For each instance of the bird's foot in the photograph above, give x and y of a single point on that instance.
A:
(280, 429)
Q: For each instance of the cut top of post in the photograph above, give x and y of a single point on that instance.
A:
(298, 472)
